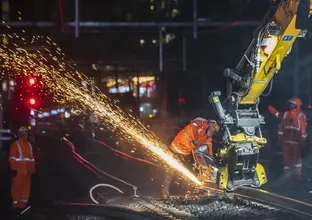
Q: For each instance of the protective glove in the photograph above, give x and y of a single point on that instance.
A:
(202, 149)
(14, 173)
(303, 138)
(195, 142)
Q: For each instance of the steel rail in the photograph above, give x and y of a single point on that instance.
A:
(111, 212)
(268, 198)
(156, 209)
(168, 212)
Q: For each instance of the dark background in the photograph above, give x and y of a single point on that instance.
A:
(215, 49)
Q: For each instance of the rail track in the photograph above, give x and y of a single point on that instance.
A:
(244, 203)
(301, 208)
(269, 199)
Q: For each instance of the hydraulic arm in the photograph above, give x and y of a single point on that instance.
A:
(238, 114)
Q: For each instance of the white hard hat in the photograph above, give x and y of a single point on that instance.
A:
(22, 129)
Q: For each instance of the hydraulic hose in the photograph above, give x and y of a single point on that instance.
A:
(103, 185)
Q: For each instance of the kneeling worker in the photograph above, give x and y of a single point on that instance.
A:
(197, 137)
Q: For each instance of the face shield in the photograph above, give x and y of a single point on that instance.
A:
(212, 129)
(23, 135)
(291, 104)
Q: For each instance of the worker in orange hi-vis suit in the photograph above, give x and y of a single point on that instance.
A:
(22, 164)
(195, 137)
(292, 133)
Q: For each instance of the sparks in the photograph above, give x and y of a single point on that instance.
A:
(63, 82)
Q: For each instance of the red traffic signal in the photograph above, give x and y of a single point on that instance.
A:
(32, 81)
(32, 101)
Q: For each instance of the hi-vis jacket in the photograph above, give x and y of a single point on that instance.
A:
(192, 136)
(292, 129)
(21, 157)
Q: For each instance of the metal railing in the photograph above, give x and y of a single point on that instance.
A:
(94, 24)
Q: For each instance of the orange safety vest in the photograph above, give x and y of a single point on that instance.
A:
(21, 157)
(194, 132)
(294, 127)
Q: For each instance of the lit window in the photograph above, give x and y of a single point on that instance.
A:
(174, 13)
(67, 115)
(169, 38)
(61, 110)
(94, 67)
(163, 4)
(11, 82)
(32, 122)
(46, 114)
(4, 86)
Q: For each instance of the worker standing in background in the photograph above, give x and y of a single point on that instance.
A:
(22, 164)
(292, 134)
(195, 137)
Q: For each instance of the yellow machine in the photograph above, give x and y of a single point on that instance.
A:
(236, 164)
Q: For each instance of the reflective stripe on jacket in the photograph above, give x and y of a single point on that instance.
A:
(192, 136)
(21, 157)
(292, 128)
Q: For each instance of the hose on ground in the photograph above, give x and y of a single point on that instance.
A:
(103, 185)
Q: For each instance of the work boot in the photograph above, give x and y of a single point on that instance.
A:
(166, 185)
(299, 178)
(165, 190)
(164, 196)
(287, 173)
(15, 213)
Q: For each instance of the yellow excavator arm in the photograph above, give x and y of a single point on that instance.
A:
(283, 35)
(237, 161)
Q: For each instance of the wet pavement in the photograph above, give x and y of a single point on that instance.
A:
(61, 177)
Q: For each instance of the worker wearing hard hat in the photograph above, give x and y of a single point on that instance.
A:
(293, 134)
(195, 138)
(22, 164)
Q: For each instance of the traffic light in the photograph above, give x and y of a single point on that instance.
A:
(32, 81)
(32, 101)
